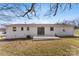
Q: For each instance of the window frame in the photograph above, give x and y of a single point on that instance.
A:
(14, 29)
(27, 28)
(51, 28)
(22, 28)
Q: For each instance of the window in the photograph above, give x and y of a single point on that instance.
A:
(28, 28)
(51, 28)
(63, 30)
(14, 28)
(22, 28)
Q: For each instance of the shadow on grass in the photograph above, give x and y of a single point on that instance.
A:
(18, 39)
(69, 36)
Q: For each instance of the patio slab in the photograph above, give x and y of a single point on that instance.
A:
(44, 37)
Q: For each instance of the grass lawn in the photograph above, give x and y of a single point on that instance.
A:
(2, 38)
(63, 47)
(77, 32)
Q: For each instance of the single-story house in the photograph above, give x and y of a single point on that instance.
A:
(25, 30)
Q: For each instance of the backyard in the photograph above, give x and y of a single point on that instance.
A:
(65, 46)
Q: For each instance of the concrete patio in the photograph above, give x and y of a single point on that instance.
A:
(44, 37)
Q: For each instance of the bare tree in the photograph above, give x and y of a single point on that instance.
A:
(53, 8)
(31, 10)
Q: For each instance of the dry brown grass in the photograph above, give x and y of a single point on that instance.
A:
(48, 47)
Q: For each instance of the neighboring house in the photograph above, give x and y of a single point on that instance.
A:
(25, 30)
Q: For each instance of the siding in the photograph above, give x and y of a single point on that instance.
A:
(69, 31)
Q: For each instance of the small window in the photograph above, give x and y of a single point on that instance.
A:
(28, 28)
(14, 28)
(22, 28)
(63, 30)
(51, 28)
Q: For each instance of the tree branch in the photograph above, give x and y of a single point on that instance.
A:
(30, 10)
(56, 9)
